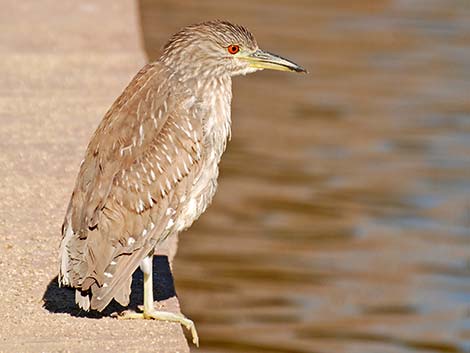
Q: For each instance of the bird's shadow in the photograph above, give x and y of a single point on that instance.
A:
(62, 300)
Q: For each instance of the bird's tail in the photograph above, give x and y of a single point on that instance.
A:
(65, 266)
(82, 299)
(118, 278)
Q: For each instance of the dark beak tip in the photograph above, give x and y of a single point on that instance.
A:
(299, 69)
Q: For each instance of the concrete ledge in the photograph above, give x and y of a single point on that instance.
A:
(63, 63)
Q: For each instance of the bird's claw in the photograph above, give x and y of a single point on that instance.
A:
(163, 316)
(189, 324)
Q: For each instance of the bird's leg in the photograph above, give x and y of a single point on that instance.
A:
(149, 311)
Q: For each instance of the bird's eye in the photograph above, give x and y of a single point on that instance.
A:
(233, 49)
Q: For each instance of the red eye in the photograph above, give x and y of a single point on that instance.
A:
(233, 49)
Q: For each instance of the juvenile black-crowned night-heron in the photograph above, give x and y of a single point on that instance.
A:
(151, 167)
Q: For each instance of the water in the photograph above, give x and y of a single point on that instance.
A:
(342, 220)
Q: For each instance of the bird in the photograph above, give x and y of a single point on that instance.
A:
(151, 167)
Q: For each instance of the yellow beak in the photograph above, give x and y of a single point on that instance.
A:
(263, 60)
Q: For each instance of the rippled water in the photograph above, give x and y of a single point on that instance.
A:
(342, 220)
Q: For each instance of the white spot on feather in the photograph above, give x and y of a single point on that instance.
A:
(186, 170)
(109, 275)
(168, 185)
(154, 119)
(141, 205)
(124, 149)
(141, 133)
(168, 157)
(186, 132)
(170, 223)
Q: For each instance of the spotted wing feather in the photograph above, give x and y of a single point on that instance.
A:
(129, 191)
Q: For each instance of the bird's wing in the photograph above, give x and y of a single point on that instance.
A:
(136, 172)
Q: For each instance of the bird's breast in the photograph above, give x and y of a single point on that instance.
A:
(214, 110)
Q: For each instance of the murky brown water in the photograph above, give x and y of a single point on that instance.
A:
(342, 221)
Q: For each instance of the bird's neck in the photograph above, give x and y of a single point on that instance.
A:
(213, 92)
(207, 91)
(213, 95)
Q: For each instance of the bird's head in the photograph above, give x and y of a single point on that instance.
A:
(217, 48)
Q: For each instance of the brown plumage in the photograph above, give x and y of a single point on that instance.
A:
(135, 167)
(151, 166)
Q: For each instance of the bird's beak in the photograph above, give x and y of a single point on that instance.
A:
(263, 60)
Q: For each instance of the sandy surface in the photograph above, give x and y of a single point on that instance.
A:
(63, 63)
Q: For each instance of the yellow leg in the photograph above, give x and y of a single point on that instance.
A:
(149, 310)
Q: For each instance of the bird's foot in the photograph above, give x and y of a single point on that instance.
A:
(163, 316)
